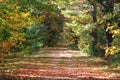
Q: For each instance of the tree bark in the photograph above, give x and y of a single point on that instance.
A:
(94, 13)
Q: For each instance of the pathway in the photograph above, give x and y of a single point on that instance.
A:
(60, 63)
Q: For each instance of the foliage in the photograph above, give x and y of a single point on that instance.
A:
(82, 25)
(24, 24)
(114, 60)
(11, 22)
(54, 29)
(104, 17)
(33, 38)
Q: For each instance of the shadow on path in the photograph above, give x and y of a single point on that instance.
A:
(59, 63)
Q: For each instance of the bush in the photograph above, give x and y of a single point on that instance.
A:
(33, 38)
(115, 60)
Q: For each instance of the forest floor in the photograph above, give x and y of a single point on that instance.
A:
(59, 63)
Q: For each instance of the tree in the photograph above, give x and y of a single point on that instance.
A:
(17, 16)
(108, 9)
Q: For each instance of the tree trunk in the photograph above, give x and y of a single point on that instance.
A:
(94, 13)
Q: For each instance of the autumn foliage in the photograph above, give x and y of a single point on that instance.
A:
(16, 20)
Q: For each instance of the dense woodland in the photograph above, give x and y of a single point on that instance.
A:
(91, 26)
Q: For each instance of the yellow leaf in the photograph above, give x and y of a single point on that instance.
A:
(25, 15)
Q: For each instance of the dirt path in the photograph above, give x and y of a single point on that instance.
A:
(59, 63)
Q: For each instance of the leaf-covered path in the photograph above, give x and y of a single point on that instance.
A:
(59, 63)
